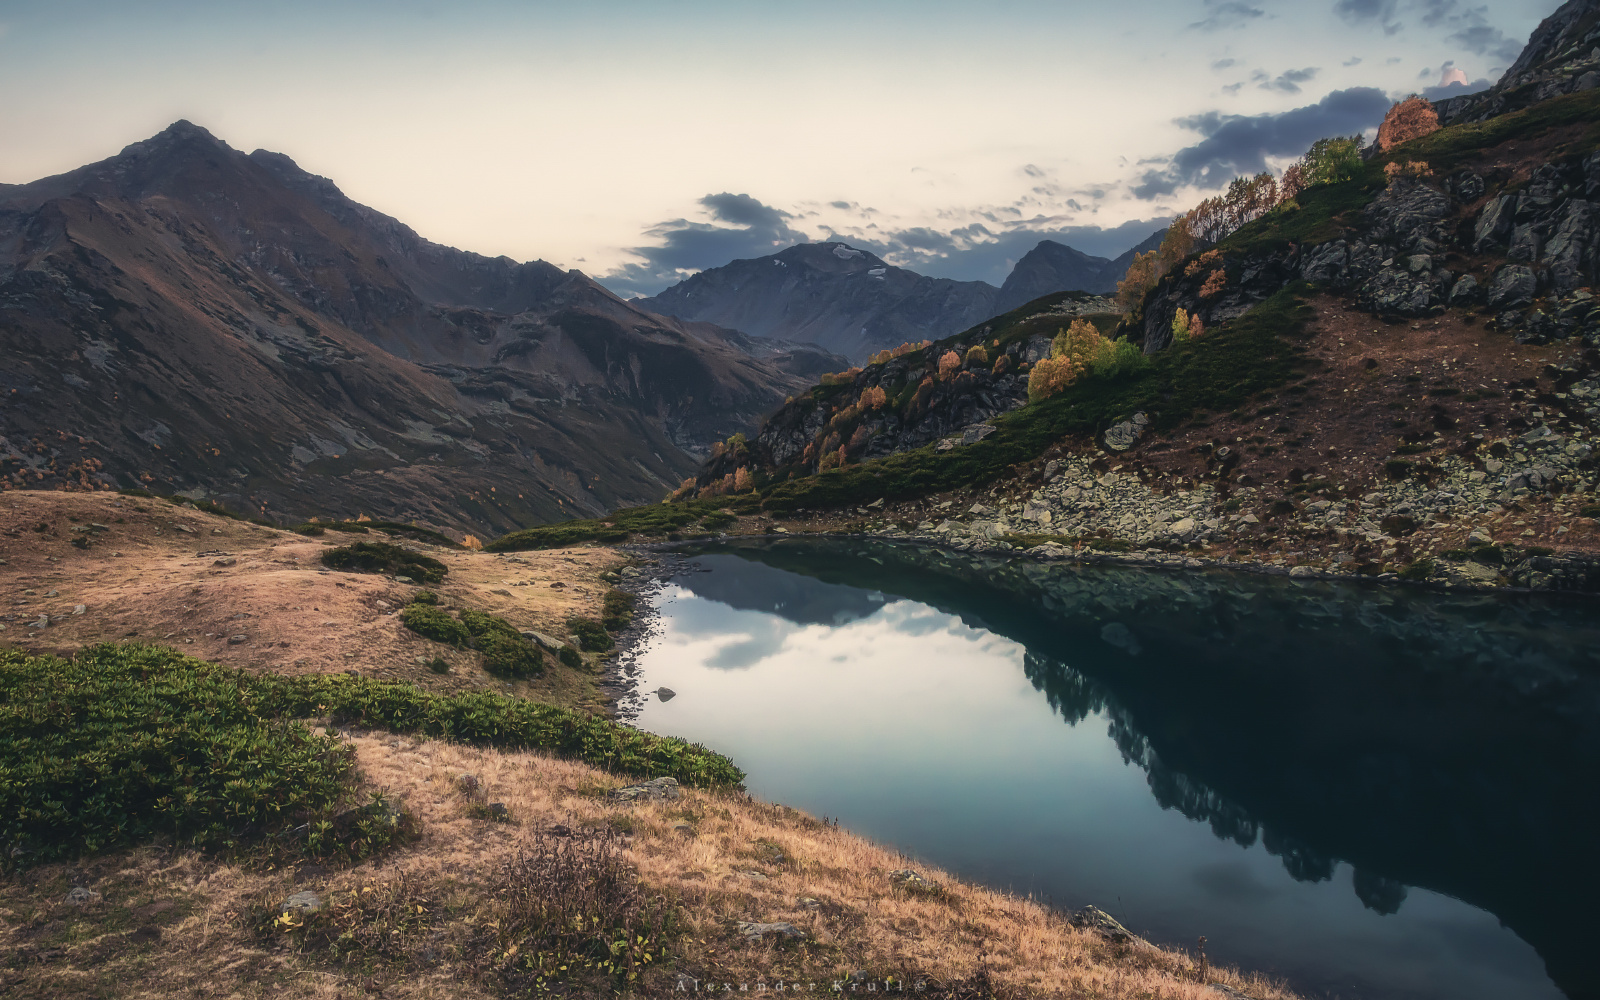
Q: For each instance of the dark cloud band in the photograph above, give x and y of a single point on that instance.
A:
(1241, 144)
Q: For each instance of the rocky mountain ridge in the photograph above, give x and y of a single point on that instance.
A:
(851, 302)
(265, 342)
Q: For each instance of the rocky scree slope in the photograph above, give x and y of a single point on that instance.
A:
(265, 342)
(851, 302)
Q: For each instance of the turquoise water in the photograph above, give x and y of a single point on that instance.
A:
(1367, 792)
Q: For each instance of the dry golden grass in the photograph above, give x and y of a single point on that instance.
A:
(208, 941)
(144, 578)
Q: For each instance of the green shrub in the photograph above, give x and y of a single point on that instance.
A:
(656, 520)
(439, 665)
(717, 520)
(348, 527)
(570, 656)
(1422, 569)
(1398, 468)
(511, 656)
(424, 597)
(505, 652)
(125, 743)
(308, 529)
(381, 557)
(1114, 358)
(436, 624)
(617, 610)
(592, 636)
(1593, 510)
(411, 531)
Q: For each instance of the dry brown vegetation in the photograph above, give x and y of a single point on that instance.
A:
(160, 573)
(423, 922)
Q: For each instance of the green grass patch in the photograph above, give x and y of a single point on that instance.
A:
(126, 743)
(381, 557)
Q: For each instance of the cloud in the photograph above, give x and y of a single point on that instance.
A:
(1241, 144)
(983, 253)
(1369, 12)
(1227, 14)
(741, 226)
(1222, 64)
(1290, 80)
(1449, 90)
(1470, 29)
(1352, 61)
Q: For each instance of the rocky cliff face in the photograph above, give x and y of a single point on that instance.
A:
(1562, 57)
(1513, 234)
(187, 317)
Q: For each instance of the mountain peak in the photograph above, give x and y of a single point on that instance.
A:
(180, 133)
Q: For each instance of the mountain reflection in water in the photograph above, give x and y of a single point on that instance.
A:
(1444, 743)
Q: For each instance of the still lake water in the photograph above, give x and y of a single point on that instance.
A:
(1370, 792)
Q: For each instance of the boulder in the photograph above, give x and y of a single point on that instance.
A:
(658, 790)
(782, 931)
(1092, 918)
(302, 903)
(1514, 285)
(1121, 437)
(82, 897)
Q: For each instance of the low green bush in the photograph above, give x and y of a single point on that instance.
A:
(1422, 569)
(617, 610)
(569, 656)
(436, 624)
(381, 557)
(511, 656)
(505, 652)
(125, 743)
(424, 597)
(592, 635)
(655, 520)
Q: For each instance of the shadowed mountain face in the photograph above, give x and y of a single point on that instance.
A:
(188, 317)
(852, 303)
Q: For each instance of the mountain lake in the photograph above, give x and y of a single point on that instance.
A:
(1367, 790)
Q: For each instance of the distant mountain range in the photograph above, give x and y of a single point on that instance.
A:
(190, 318)
(849, 301)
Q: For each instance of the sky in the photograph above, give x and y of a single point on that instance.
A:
(643, 141)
